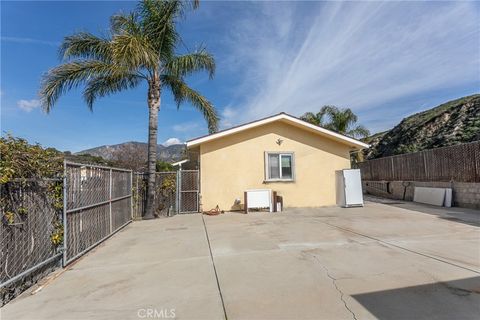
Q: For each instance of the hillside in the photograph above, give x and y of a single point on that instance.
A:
(138, 149)
(454, 122)
(375, 138)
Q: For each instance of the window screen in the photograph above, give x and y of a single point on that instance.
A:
(273, 166)
(286, 172)
(279, 166)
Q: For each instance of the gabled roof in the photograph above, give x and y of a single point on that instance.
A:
(285, 118)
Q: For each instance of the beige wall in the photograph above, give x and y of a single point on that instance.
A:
(232, 164)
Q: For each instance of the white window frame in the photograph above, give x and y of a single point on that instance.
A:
(280, 154)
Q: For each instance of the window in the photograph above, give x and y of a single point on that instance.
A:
(279, 166)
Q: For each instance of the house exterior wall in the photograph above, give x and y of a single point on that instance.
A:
(232, 164)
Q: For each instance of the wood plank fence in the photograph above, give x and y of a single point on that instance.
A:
(459, 163)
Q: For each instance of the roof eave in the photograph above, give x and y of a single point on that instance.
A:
(325, 132)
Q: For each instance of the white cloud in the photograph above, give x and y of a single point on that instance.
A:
(296, 57)
(171, 141)
(186, 127)
(28, 105)
(30, 41)
(226, 117)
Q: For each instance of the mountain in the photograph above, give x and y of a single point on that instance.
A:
(454, 122)
(137, 149)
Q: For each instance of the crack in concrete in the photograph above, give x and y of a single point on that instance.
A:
(334, 282)
(214, 268)
(441, 259)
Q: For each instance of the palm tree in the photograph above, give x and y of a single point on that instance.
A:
(340, 120)
(141, 47)
(315, 118)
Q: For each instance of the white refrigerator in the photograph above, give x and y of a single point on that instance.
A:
(349, 188)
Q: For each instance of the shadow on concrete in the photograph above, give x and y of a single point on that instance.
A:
(469, 222)
(458, 299)
(455, 214)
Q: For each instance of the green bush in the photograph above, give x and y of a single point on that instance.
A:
(20, 160)
(24, 166)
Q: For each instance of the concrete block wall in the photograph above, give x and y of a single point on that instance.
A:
(465, 194)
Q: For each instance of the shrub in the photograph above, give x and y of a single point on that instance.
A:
(29, 167)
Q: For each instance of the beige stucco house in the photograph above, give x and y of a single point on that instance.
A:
(296, 159)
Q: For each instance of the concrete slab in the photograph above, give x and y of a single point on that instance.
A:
(409, 262)
(376, 262)
(156, 267)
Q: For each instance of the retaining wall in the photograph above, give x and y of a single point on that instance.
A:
(465, 194)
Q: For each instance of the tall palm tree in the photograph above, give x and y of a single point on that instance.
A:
(315, 118)
(343, 121)
(141, 47)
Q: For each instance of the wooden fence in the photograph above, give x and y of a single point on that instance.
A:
(459, 163)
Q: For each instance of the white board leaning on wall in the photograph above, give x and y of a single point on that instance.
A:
(441, 197)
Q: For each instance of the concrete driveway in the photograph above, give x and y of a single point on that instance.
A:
(379, 261)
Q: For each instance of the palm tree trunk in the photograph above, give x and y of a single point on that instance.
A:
(153, 108)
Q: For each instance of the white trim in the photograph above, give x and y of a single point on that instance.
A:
(281, 116)
(179, 163)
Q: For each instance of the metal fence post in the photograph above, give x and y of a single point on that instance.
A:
(64, 257)
(198, 191)
(110, 202)
(177, 202)
(131, 192)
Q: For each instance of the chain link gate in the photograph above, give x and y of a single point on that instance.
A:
(188, 191)
(165, 194)
(97, 203)
(176, 192)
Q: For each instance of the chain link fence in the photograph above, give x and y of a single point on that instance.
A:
(35, 232)
(97, 203)
(169, 198)
(165, 194)
(29, 222)
(188, 196)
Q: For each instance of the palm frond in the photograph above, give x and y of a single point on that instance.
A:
(182, 93)
(134, 52)
(329, 111)
(156, 12)
(125, 23)
(339, 120)
(70, 75)
(184, 65)
(130, 46)
(349, 116)
(310, 117)
(359, 132)
(158, 23)
(320, 116)
(105, 85)
(86, 46)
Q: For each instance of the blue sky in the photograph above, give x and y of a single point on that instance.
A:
(385, 60)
